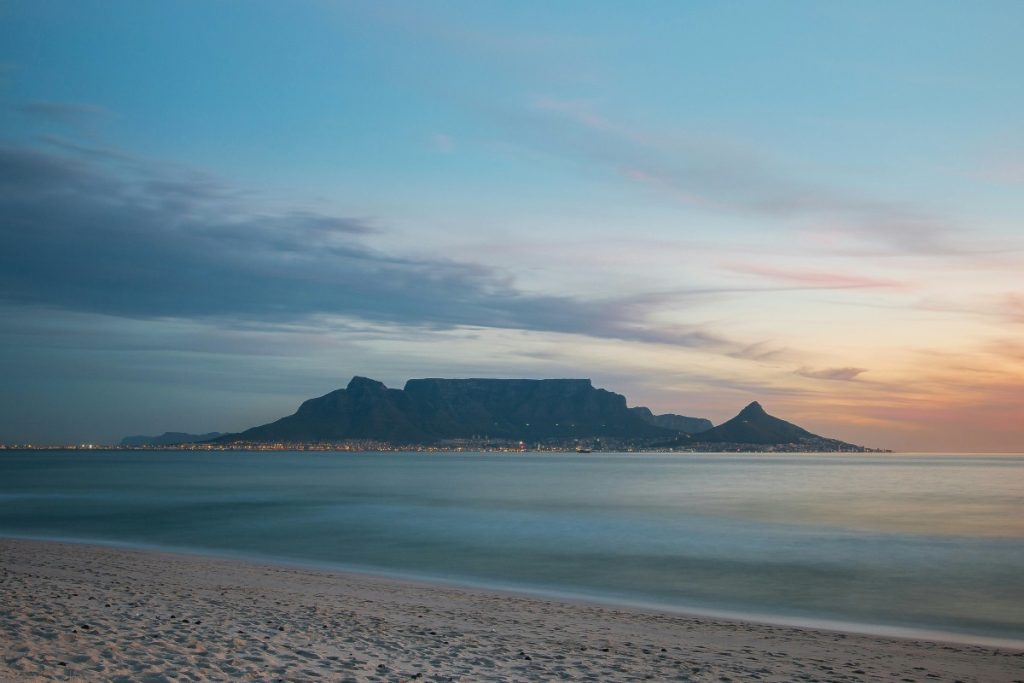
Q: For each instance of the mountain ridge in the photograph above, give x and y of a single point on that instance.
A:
(679, 423)
(431, 410)
(479, 411)
(753, 426)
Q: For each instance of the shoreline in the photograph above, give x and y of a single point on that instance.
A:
(228, 618)
(823, 624)
(751, 449)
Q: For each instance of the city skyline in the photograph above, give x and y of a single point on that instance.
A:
(213, 211)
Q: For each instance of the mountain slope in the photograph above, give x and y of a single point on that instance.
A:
(753, 427)
(679, 423)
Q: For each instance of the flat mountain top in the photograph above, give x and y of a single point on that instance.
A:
(436, 409)
(557, 411)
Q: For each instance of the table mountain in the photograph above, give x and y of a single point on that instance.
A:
(431, 410)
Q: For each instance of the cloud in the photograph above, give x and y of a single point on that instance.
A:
(816, 278)
(704, 171)
(140, 242)
(442, 142)
(1007, 350)
(67, 113)
(1002, 166)
(1013, 307)
(836, 374)
(760, 351)
(1007, 307)
(543, 54)
(104, 153)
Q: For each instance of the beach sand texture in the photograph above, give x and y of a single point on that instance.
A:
(89, 613)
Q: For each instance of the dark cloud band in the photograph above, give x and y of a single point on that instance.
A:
(126, 240)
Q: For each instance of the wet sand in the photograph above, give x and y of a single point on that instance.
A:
(90, 613)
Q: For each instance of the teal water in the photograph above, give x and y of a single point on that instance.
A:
(934, 543)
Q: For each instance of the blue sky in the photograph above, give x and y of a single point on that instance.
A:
(212, 210)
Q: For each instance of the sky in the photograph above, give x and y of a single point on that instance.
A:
(211, 211)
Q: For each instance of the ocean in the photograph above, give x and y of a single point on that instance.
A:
(919, 545)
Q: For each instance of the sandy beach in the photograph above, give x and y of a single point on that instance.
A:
(88, 613)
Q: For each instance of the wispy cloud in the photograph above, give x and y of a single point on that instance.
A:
(761, 351)
(442, 142)
(102, 153)
(847, 374)
(719, 174)
(67, 113)
(1007, 349)
(1007, 307)
(1002, 165)
(154, 244)
(539, 53)
(816, 278)
(1013, 306)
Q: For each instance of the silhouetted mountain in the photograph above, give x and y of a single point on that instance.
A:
(753, 427)
(555, 410)
(168, 439)
(430, 410)
(678, 423)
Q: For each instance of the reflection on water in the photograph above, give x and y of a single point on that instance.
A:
(921, 541)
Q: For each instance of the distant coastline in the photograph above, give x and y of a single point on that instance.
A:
(421, 448)
(492, 415)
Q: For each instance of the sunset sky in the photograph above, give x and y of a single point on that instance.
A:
(210, 211)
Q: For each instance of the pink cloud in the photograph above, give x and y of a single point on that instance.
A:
(1014, 306)
(817, 278)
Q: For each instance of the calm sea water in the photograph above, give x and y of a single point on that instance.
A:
(934, 543)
